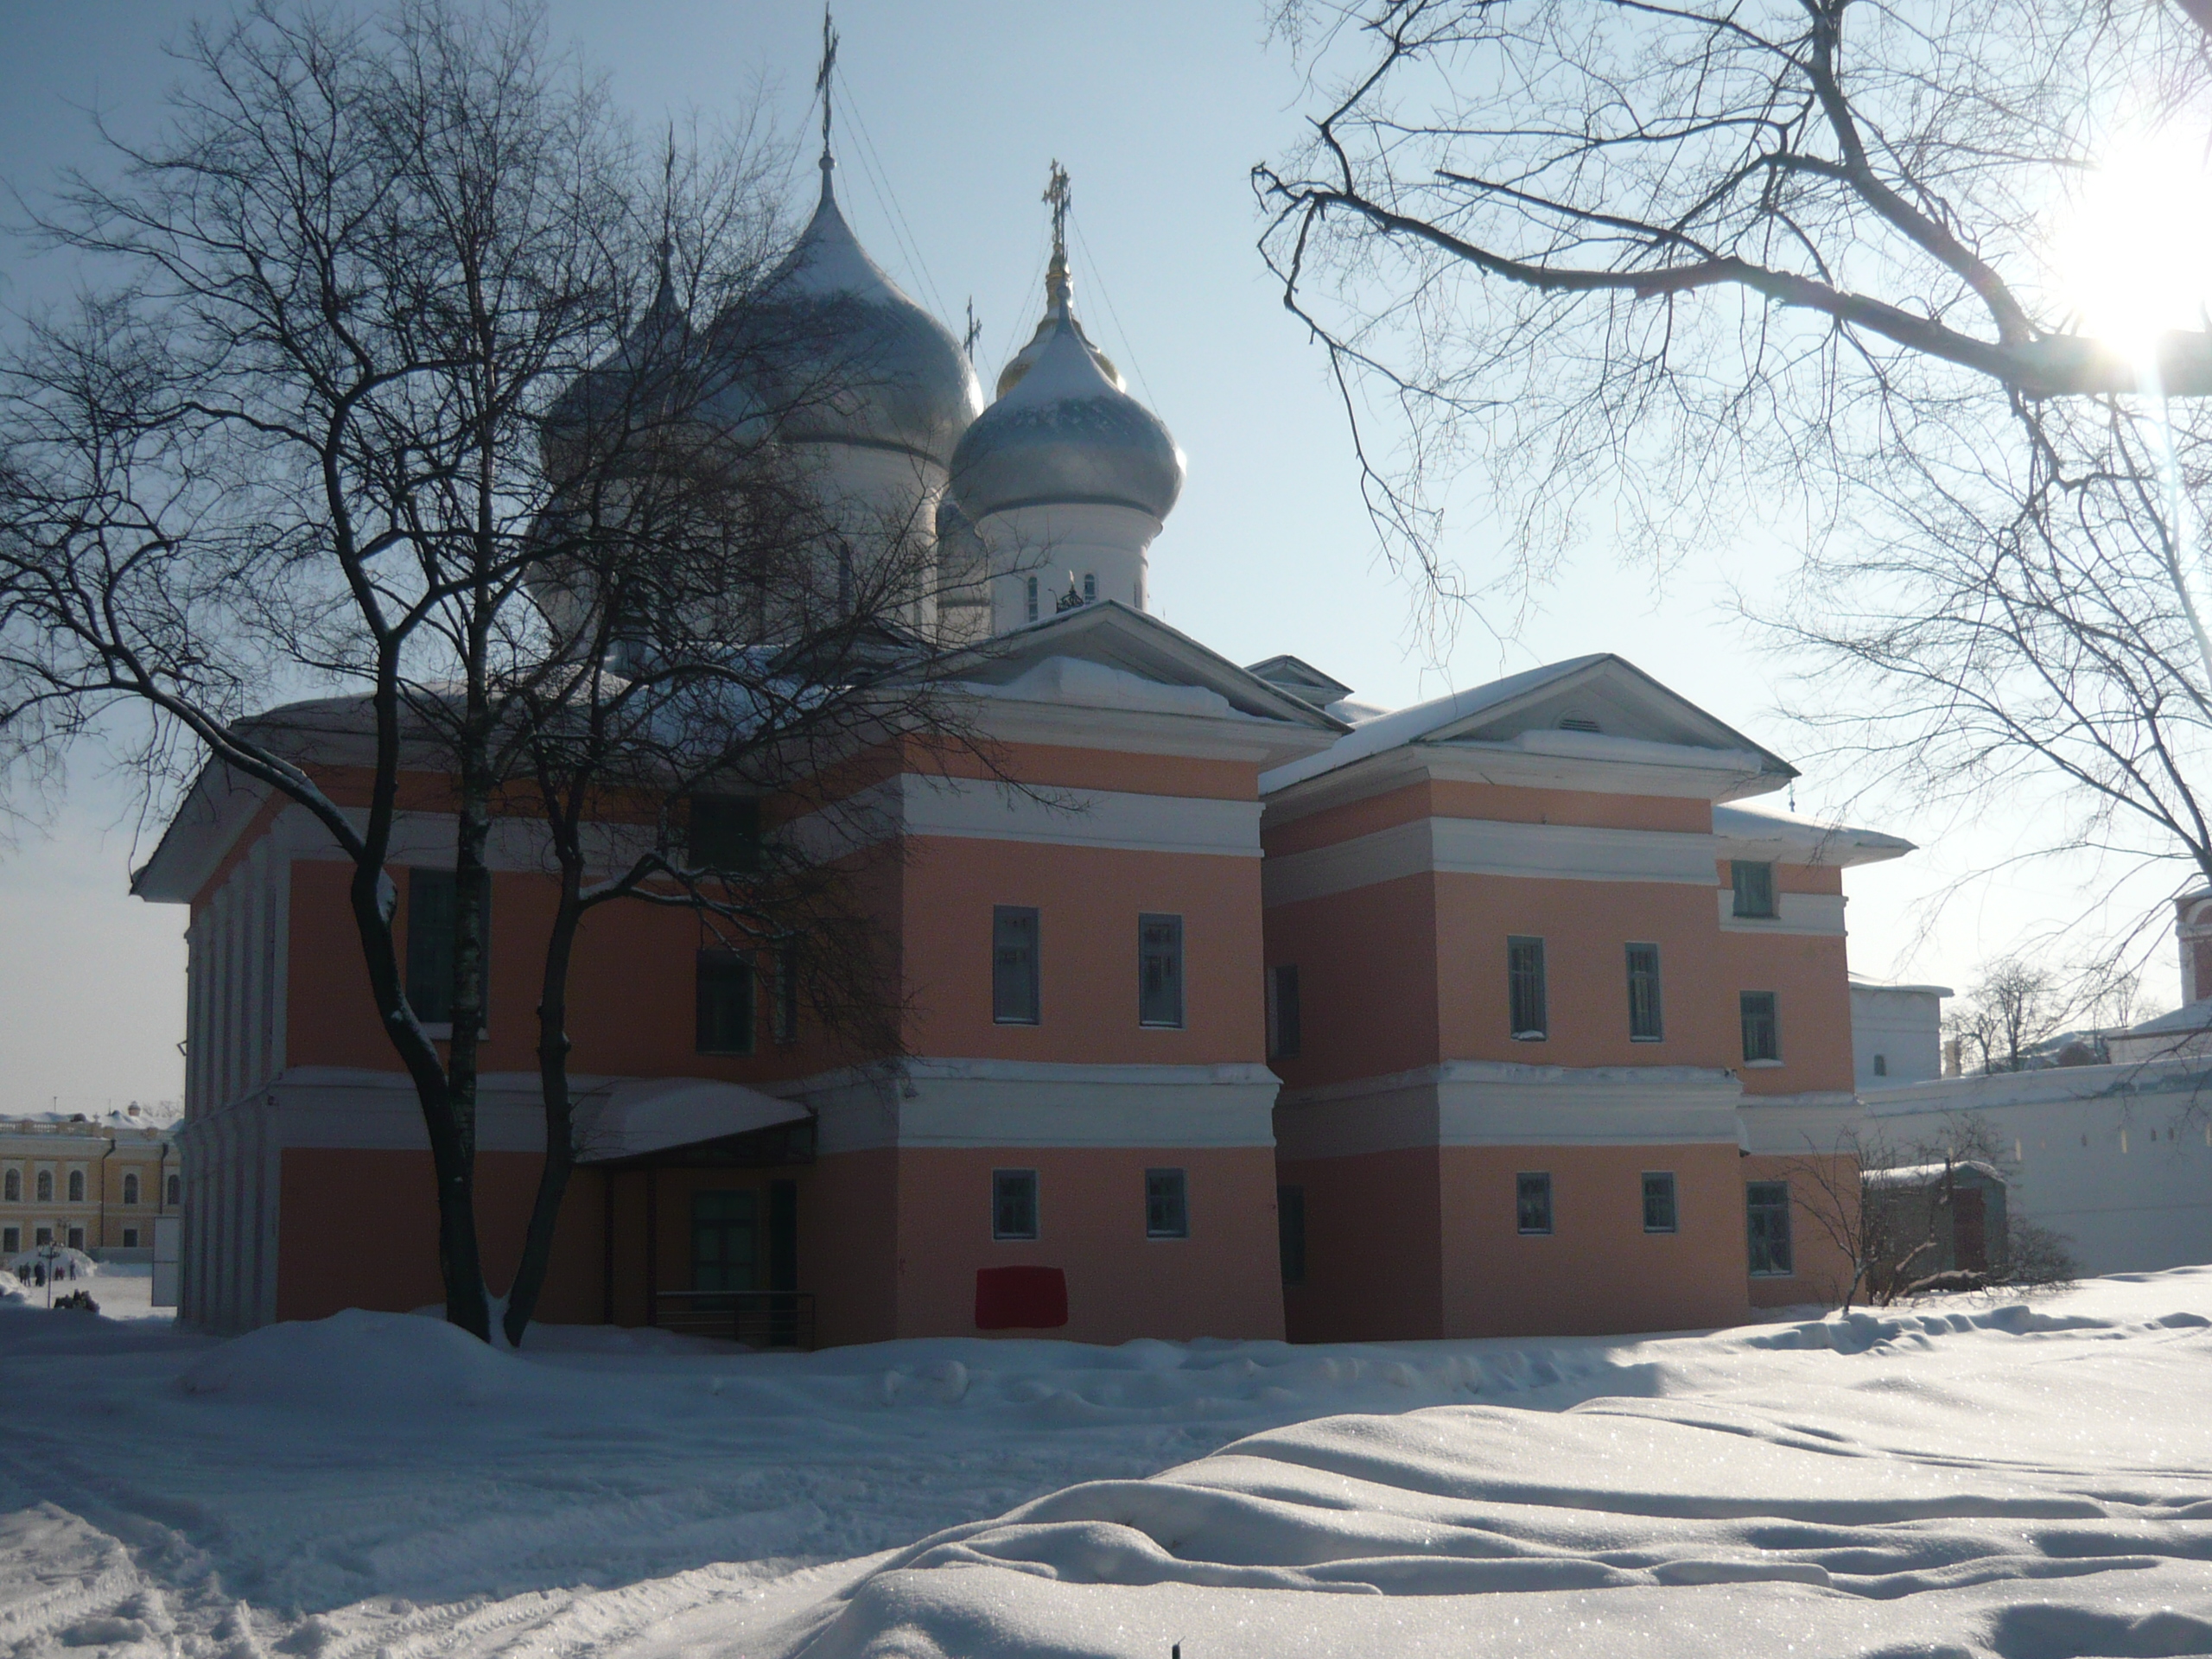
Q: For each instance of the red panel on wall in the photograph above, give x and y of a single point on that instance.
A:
(1020, 1299)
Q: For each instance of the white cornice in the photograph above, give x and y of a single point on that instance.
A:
(1264, 743)
(1475, 1102)
(974, 1103)
(216, 811)
(1509, 766)
(919, 806)
(1488, 846)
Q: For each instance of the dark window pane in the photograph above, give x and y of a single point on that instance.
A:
(1646, 1021)
(1284, 1035)
(725, 832)
(1014, 1204)
(1762, 1041)
(1659, 1202)
(1014, 965)
(725, 1003)
(1290, 1232)
(1766, 1219)
(1532, 1202)
(430, 912)
(1524, 972)
(1754, 884)
(1160, 971)
(725, 1241)
(1166, 1206)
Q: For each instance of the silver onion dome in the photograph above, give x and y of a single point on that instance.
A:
(612, 404)
(1065, 435)
(838, 355)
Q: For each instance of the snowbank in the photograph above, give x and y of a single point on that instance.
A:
(1965, 1481)
(358, 1362)
(1965, 1477)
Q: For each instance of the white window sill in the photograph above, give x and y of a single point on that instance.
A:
(1761, 1065)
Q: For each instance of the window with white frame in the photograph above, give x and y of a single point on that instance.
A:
(1532, 1202)
(1015, 954)
(723, 996)
(1646, 1019)
(11, 1187)
(176, 1190)
(130, 1186)
(76, 1186)
(1526, 1001)
(1159, 971)
(1766, 1225)
(1284, 1034)
(1167, 1205)
(1014, 1204)
(1762, 1028)
(432, 911)
(1754, 885)
(44, 1187)
(1659, 1201)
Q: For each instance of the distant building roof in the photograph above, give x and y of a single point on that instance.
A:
(1927, 1174)
(1860, 982)
(2190, 1016)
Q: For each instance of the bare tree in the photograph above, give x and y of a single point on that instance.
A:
(2012, 1008)
(733, 659)
(1888, 1212)
(1787, 269)
(396, 395)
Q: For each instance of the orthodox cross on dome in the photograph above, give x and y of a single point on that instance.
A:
(1058, 196)
(668, 211)
(822, 82)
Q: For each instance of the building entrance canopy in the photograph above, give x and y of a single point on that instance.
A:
(648, 1114)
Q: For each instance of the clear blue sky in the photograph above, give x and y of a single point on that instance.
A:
(1158, 110)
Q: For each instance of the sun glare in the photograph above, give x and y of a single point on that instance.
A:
(2135, 248)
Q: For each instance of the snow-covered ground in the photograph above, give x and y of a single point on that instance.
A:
(2033, 1481)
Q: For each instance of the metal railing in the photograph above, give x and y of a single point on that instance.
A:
(759, 1318)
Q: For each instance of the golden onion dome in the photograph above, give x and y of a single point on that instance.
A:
(1058, 289)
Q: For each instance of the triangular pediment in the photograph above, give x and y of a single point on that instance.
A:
(1598, 696)
(1114, 637)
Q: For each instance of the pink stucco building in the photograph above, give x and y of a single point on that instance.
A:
(1240, 1010)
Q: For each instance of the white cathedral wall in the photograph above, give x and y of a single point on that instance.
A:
(1096, 547)
(883, 502)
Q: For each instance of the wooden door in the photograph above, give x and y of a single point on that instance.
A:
(1969, 1239)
